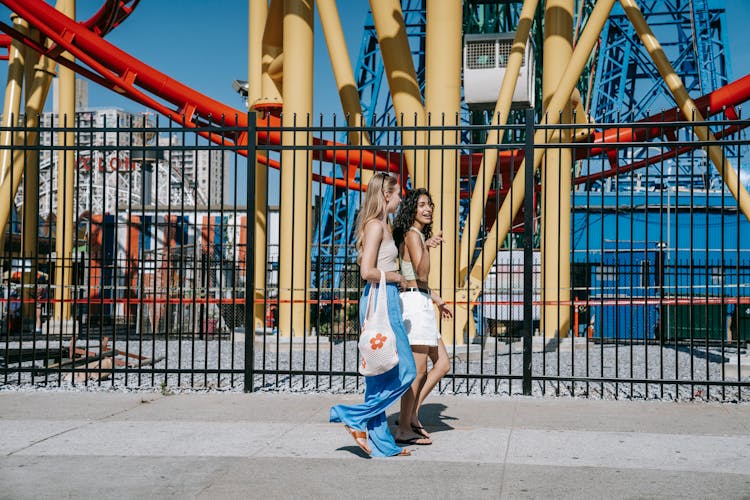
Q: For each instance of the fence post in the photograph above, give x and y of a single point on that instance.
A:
(250, 253)
(528, 250)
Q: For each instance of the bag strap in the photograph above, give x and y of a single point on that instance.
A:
(382, 298)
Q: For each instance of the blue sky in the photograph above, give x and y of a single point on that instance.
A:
(204, 45)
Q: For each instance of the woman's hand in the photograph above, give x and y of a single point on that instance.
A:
(445, 311)
(399, 280)
(434, 241)
(443, 308)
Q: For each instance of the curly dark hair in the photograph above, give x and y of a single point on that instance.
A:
(406, 215)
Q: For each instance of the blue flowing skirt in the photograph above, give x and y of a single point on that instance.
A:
(381, 390)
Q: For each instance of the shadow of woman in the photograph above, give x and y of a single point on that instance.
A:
(432, 417)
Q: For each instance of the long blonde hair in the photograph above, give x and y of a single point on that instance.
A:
(374, 204)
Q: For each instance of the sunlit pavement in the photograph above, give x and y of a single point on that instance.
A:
(280, 445)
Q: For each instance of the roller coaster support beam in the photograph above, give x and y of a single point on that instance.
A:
(687, 106)
(402, 81)
(257, 14)
(296, 168)
(556, 175)
(36, 95)
(513, 201)
(30, 219)
(65, 181)
(488, 167)
(13, 90)
(273, 55)
(12, 102)
(443, 106)
(342, 69)
(347, 86)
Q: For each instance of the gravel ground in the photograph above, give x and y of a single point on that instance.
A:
(493, 369)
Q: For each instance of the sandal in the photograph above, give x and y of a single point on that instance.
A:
(418, 440)
(360, 437)
(418, 429)
(403, 453)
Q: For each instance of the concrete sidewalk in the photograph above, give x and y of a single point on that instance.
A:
(280, 445)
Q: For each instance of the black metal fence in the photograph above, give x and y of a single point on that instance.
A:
(164, 289)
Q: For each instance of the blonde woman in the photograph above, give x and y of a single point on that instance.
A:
(377, 252)
(413, 235)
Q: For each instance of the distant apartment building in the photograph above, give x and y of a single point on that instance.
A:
(204, 172)
(121, 161)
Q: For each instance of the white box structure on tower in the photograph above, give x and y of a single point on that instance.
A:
(485, 60)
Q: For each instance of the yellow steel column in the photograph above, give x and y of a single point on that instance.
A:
(257, 13)
(344, 75)
(556, 175)
(36, 95)
(12, 104)
(512, 203)
(499, 118)
(270, 88)
(30, 218)
(443, 105)
(13, 89)
(488, 168)
(342, 68)
(686, 105)
(296, 168)
(65, 183)
(402, 80)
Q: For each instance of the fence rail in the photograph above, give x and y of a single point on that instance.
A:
(164, 288)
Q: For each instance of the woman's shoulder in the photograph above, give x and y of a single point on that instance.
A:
(414, 234)
(371, 224)
(375, 227)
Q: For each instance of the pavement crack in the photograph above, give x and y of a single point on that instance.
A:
(88, 421)
(507, 449)
(47, 438)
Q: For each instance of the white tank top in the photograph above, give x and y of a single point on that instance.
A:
(387, 255)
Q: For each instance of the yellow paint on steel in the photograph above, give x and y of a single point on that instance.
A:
(273, 35)
(13, 90)
(342, 69)
(499, 118)
(30, 209)
(686, 105)
(556, 175)
(36, 95)
(257, 13)
(512, 203)
(296, 169)
(403, 84)
(443, 50)
(65, 181)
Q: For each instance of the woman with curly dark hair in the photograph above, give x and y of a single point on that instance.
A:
(412, 232)
(377, 253)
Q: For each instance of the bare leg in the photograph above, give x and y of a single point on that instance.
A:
(409, 399)
(440, 366)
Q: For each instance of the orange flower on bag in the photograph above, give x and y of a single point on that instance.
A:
(378, 341)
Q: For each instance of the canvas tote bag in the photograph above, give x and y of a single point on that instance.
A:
(377, 343)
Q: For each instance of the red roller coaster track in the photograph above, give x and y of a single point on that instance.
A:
(111, 67)
(107, 18)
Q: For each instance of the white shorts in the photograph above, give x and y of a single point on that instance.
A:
(419, 319)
